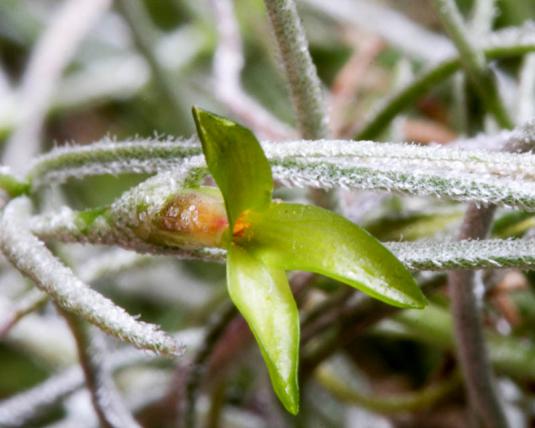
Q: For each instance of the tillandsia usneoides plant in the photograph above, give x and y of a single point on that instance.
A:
(368, 308)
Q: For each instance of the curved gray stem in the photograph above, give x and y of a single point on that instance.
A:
(111, 410)
(303, 80)
(471, 347)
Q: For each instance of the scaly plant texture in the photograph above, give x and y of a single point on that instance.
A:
(348, 240)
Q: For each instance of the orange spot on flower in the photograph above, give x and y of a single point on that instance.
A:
(241, 225)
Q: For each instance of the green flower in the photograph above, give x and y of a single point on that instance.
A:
(265, 238)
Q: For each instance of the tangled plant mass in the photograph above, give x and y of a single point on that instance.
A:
(294, 210)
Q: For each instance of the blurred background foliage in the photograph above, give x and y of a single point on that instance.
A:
(107, 91)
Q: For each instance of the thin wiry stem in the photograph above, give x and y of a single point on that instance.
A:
(433, 326)
(110, 408)
(501, 44)
(228, 64)
(33, 300)
(469, 330)
(471, 347)
(389, 404)
(473, 61)
(144, 35)
(468, 326)
(199, 365)
(304, 84)
(51, 55)
(20, 410)
(217, 402)
(33, 259)
(345, 323)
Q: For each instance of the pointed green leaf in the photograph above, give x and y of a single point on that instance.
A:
(262, 295)
(237, 163)
(302, 237)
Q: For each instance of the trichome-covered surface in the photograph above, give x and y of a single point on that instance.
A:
(372, 102)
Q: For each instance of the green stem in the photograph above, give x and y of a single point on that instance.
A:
(402, 403)
(511, 356)
(428, 80)
(217, 402)
(473, 61)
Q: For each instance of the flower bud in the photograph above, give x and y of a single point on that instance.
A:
(160, 211)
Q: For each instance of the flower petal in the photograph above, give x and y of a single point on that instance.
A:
(237, 163)
(309, 238)
(263, 296)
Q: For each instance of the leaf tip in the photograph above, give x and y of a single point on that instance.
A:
(414, 298)
(288, 393)
(286, 389)
(204, 118)
(197, 112)
(419, 303)
(292, 405)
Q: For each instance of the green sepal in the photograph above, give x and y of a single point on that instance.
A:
(237, 163)
(263, 296)
(309, 238)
